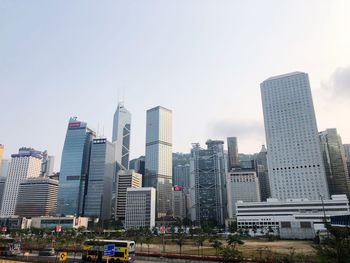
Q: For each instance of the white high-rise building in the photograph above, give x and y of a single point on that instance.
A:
(242, 185)
(25, 164)
(121, 135)
(140, 207)
(158, 163)
(295, 162)
(125, 179)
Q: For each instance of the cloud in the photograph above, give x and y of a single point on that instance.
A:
(242, 129)
(339, 83)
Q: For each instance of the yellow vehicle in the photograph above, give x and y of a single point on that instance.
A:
(124, 250)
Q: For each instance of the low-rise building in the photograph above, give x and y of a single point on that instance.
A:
(140, 207)
(268, 216)
(64, 222)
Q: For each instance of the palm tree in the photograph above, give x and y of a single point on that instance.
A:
(180, 240)
(215, 243)
(200, 241)
(234, 240)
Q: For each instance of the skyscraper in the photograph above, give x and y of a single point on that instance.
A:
(335, 162)
(100, 180)
(1, 153)
(74, 168)
(242, 185)
(47, 165)
(140, 207)
(158, 163)
(121, 135)
(37, 197)
(262, 173)
(232, 147)
(25, 164)
(295, 162)
(125, 179)
(208, 184)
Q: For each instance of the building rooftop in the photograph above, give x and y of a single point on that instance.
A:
(284, 75)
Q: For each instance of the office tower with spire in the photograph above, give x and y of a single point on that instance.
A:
(335, 162)
(121, 135)
(233, 158)
(158, 163)
(262, 173)
(74, 168)
(295, 161)
(25, 164)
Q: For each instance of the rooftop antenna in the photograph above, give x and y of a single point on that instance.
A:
(103, 131)
(98, 130)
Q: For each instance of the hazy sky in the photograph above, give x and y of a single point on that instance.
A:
(202, 59)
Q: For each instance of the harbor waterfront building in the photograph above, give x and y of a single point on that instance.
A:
(73, 176)
(100, 180)
(268, 215)
(25, 164)
(158, 159)
(242, 185)
(295, 163)
(125, 179)
(140, 207)
(37, 197)
(335, 162)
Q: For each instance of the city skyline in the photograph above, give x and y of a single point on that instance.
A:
(172, 72)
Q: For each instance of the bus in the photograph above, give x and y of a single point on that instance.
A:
(124, 250)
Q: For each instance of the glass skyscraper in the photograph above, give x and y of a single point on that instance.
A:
(208, 184)
(158, 163)
(121, 135)
(295, 162)
(233, 158)
(74, 168)
(335, 162)
(100, 181)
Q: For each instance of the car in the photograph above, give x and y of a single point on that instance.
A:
(47, 252)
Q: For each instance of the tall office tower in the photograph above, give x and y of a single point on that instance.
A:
(74, 168)
(25, 164)
(121, 135)
(232, 147)
(247, 161)
(140, 207)
(125, 179)
(47, 165)
(181, 175)
(4, 167)
(335, 162)
(242, 185)
(179, 203)
(295, 161)
(158, 163)
(263, 173)
(207, 186)
(2, 189)
(37, 197)
(138, 165)
(347, 156)
(100, 181)
(1, 153)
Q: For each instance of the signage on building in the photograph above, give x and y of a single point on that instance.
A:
(177, 188)
(74, 125)
(58, 228)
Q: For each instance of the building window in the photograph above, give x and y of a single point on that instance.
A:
(285, 225)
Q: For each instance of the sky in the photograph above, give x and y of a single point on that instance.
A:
(202, 59)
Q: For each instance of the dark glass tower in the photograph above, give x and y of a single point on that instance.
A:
(74, 168)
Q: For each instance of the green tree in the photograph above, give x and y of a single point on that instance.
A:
(180, 240)
(217, 245)
(230, 254)
(234, 240)
(200, 242)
